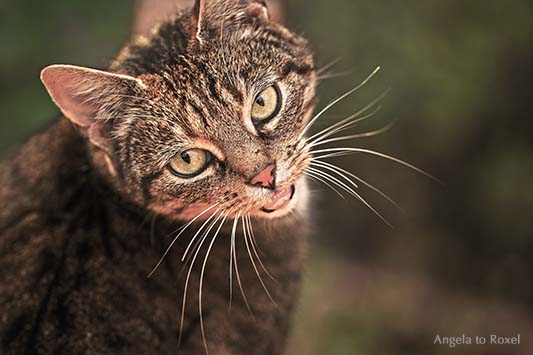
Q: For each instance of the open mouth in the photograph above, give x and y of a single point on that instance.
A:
(280, 199)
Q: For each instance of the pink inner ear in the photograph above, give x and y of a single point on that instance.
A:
(259, 10)
(66, 87)
(80, 92)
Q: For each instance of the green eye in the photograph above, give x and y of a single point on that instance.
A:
(266, 105)
(190, 163)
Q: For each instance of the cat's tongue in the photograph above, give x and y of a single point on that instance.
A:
(279, 199)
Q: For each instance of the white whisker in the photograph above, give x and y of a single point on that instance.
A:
(330, 155)
(350, 150)
(243, 294)
(333, 75)
(202, 279)
(184, 302)
(351, 191)
(317, 168)
(196, 234)
(177, 236)
(341, 126)
(255, 247)
(372, 187)
(347, 122)
(354, 136)
(335, 101)
(231, 252)
(246, 236)
(327, 66)
(319, 179)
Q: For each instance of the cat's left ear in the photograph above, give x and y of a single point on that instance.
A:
(88, 97)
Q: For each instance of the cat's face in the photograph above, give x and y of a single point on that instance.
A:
(210, 121)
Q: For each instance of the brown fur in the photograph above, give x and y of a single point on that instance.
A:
(90, 206)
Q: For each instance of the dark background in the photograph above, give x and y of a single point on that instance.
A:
(460, 257)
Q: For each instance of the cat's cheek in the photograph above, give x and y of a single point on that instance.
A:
(202, 211)
(167, 208)
(178, 210)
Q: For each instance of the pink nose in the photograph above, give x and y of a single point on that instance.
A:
(265, 178)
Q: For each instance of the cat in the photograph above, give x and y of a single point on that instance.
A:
(185, 161)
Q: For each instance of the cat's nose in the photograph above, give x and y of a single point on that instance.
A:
(266, 178)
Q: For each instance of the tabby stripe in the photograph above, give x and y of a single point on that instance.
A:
(146, 184)
(235, 93)
(279, 36)
(277, 45)
(213, 90)
(245, 74)
(170, 85)
(211, 82)
(200, 113)
(292, 67)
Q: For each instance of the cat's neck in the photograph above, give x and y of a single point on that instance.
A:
(59, 171)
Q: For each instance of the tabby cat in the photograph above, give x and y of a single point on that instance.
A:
(190, 146)
(167, 210)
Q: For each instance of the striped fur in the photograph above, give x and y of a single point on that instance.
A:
(88, 210)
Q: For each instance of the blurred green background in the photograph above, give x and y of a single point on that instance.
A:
(460, 257)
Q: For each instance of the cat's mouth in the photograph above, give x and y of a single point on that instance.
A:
(279, 200)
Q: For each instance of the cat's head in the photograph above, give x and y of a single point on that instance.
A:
(206, 112)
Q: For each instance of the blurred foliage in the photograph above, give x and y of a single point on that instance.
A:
(38, 33)
(460, 258)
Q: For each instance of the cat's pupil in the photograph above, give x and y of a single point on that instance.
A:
(186, 157)
(260, 101)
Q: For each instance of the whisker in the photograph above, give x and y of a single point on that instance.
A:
(189, 256)
(334, 75)
(335, 101)
(372, 187)
(330, 155)
(186, 257)
(239, 280)
(152, 228)
(196, 235)
(354, 136)
(351, 191)
(231, 252)
(178, 235)
(184, 302)
(202, 279)
(350, 150)
(317, 168)
(246, 236)
(254, 241)
(255, 247)
(327, 66)
(144, 221)
(319, 179)
(346, 123)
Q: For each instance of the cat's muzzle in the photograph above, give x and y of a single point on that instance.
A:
(280, 199)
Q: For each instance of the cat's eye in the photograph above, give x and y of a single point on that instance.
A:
(266, 105)
(190, 163)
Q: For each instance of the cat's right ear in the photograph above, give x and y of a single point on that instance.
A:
(87, 96)
(220, 13)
